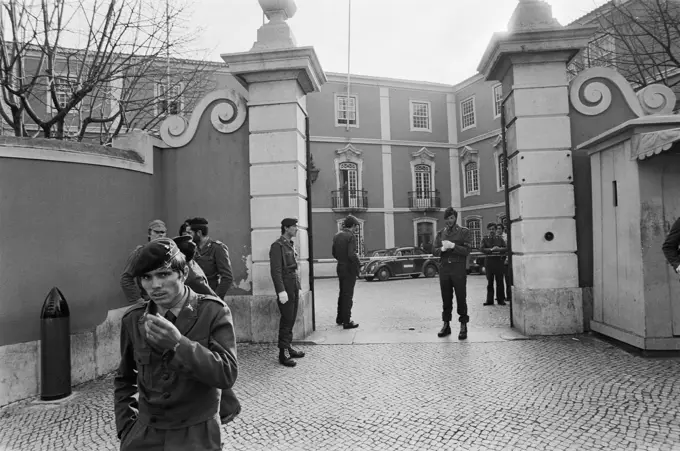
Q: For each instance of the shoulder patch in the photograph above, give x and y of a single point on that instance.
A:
(207, 297)
(135, 307)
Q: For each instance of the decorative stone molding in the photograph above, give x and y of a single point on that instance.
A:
(227, 116)
(590, 96)
(653, 143)
(423, 156)
(349, 154)
(468, 154)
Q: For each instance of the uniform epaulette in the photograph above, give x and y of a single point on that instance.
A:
(136, 306)
(207, 297)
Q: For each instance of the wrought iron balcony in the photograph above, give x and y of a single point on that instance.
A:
(423, 200)
(349, 200)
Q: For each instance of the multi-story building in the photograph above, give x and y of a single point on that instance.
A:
(396, 153)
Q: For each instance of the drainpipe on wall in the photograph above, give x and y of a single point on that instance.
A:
(506, 191)
(310, 237)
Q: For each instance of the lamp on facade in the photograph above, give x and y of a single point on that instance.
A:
(313, 171)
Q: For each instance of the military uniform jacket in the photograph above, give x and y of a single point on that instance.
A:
(488, 242)
(283, 264)
(345, 250)
(671, 247)
(213, 258)
(176, 389)
(458, 235)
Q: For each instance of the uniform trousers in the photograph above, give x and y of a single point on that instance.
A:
(288, 312)
(347, 280)
(453, 279)
(494, 272)
(204, 436)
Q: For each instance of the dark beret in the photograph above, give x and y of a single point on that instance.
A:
(350, 221)
(491, 224)
(450, 211)
(197, 221)
(288, 222)
(186, 246)
(153, 255)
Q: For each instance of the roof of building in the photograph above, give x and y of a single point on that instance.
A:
(592, 15)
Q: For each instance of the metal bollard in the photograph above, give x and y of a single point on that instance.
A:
(55, 347)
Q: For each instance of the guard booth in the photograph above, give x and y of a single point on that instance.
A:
(636, 198)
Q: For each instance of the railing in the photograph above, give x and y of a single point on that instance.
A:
(349, 200)
(423, 200)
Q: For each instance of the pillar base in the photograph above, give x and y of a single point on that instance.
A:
(256, 318)
(548, 311)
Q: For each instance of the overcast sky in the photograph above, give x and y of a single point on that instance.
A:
(428, 40)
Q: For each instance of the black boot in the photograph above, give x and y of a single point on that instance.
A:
(294, 353)
(350, 325)
(462, 335)
(284, 358)
(446, 330)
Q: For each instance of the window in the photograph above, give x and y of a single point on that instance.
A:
(501, 170)
(423, 180)
(358, 234)
(471, 178)
(424, 233)
(467, 113)
(346, 111)
(64, 87)
(173, 102)
(497, 100)
(420, 116)
(601, 52)
(475, 227)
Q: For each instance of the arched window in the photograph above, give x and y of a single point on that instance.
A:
(475, 226)
(471, 177)
(423, 174)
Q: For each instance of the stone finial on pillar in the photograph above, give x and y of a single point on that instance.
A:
(276, 34)
(532, 15)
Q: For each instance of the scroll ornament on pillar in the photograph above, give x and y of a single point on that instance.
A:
(229, 111)
(590, 96)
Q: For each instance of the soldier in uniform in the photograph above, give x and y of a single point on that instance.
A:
(178, 351)
(212, 257)
(494, 248)
(671, 246)
(345, 252)
(283, 266)
(501, 231)
(131, 288)
(452, 245)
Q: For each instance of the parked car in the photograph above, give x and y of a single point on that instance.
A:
(399, 261)
(475, 262)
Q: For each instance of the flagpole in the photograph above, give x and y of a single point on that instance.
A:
(349, 48)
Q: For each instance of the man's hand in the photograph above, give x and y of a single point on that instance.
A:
(446, 244)
(161, 332)
(677, 270)
(495, 249)
(283, 297)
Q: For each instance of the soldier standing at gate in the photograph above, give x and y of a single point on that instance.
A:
(177, 351)
(494, 248)
(452, 245)
(212, 256)
(345, 252)
(284, 270)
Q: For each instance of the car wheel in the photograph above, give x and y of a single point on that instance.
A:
(383, 274)
(415, 276)
(369, 279)
(430, 271)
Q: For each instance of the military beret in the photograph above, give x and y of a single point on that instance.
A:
(450, 211)
(154, 255)
(197, 221)
(491, 224)
(288, 222)
(156, 223)
(350, 221)
(186, 246)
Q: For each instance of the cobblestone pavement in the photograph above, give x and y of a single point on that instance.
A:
(566, 393)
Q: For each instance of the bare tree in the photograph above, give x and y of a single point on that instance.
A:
(639, 38)
(72, 69)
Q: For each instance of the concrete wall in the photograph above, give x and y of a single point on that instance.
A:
(210, 178)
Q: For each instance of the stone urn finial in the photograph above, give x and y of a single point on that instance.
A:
(276, 34)
(531, 15)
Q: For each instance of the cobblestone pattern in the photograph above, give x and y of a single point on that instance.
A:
(404, 303)
(547, 394)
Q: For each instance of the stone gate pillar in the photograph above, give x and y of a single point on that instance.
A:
(530, 61)
(278, 76)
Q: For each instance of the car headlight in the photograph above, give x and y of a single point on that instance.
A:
(371, 267)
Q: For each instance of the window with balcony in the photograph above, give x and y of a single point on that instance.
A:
(475, 226)
(497, 101)
(346, 111)
(424, 195)
(420, 116)
(349, 195)
(169, 100)
(467, 113)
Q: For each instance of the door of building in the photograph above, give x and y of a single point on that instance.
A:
(425, 236)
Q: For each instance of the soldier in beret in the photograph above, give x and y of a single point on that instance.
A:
(133, 291)
(212, 256)
(345, 252)
(178, 351)
(452, 245)
(283, 266)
